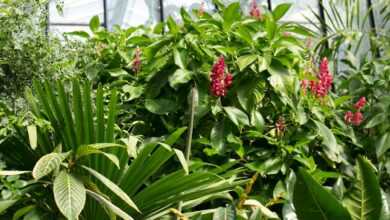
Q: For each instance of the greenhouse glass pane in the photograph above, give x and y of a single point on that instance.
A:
(76, 11)
(299, 10)
(132, 12)
(172, 7)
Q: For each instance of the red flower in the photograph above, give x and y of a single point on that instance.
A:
(360, 104)
(280, 126)
(322, 86)
(255, 10)
(137, 60)
(348, 117)
(220, 82)
(357, 118)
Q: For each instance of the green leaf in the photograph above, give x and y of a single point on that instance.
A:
(5, 204)
(383, 145)
(177, 58)
(225, 213)
(245, 61)
(237, 116)
(280, 11)
(134, 91)
(88, 150)
(160, 106)
(312, 201)
(182, 160)
(69, 195)
(332, 149)
(113, 187)
(175, 136)
(47, 164)
(82, 34)
(12, 172)
(118, 72)
(217, 137)
(180, 76)
(231, 14)
(376, 120)
(109, 205)
(364, 201)
(94, 23)
(257, 120)
(32, 136)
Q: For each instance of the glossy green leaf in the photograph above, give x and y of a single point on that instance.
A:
(12, 172)
(5, 204)
(172, 139)
(237, 116)
(364, 201)
(94, 23)
(180, 76)
(280, 11)
(160, 106)
(182, 159)
(383, 145)
(47, 164)
(231, 14)
(225, 213)
(217, 137)
(312, 201)
(376, 120)
(245, 61)
(69, 195)
(332, 149)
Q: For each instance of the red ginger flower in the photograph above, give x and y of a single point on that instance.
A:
(280, 126)
(220, 82)
(357, 118)
(255, 10)
(322, 87)
(360, 104)
(348, 117)
(137, 60)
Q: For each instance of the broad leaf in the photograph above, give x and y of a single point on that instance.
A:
(69, 195)
(364, 202)
(312, 201)
(377, 119)
(383, 145)
(280, 11)
(180, 76)
(94, 23)
(171, 139)
(182, 160)
(5, 204)
(47, 164)
(245, 61)
(113, 187)
(237, 116)
(109, 205)
(227, 213)
(160, 106)
(332, 149)
(231, 14)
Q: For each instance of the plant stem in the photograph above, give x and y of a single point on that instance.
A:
(194, 97)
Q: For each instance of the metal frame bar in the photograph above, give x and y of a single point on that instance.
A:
(323, 23)
(105, 14)
(269, 3)
(371, 18)
(161, 10)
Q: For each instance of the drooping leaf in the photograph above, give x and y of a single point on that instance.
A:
(32, 136)
(109, 205)
(180, 76)
(383, 145)
(312, 201)
(364, 201)
(182, 160)
(47, 164)
(113, 187)
(12, 172)
(69, 195)
(377, 119)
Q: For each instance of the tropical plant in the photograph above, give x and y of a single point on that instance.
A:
(364, 200)
(79, 148)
